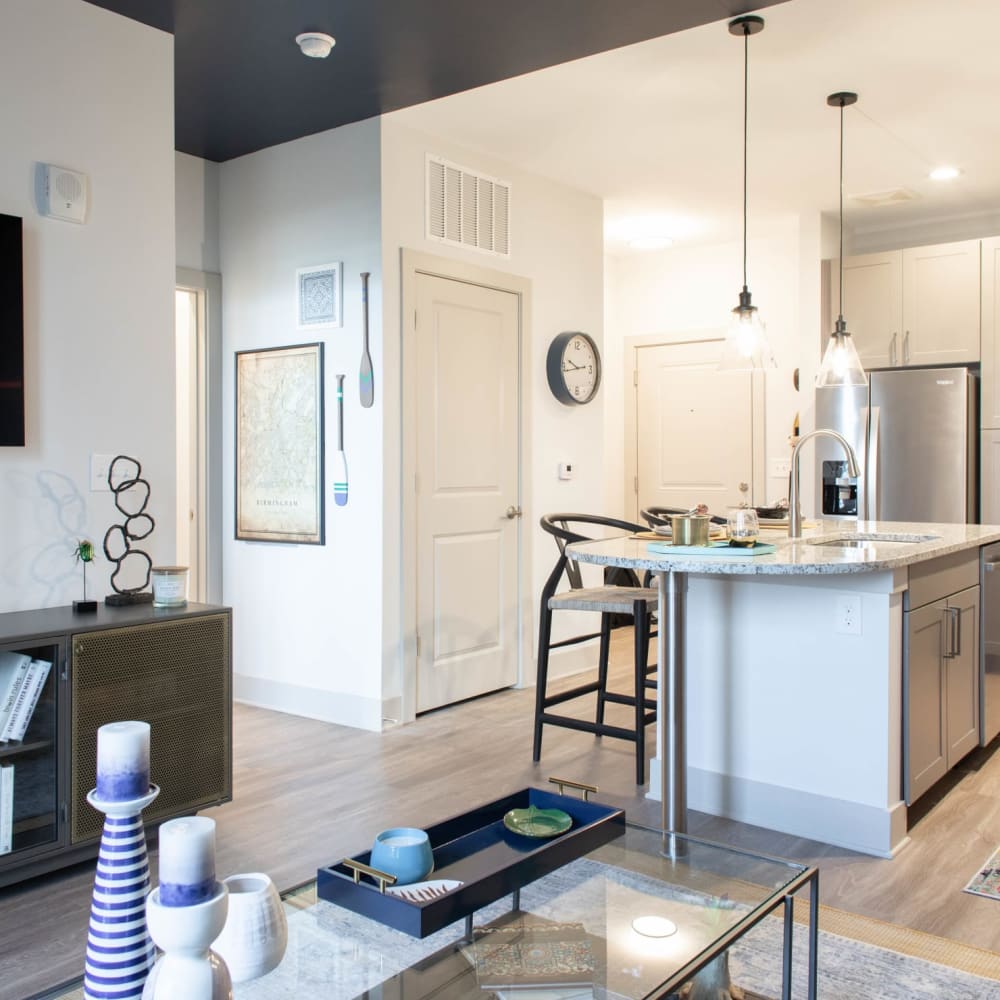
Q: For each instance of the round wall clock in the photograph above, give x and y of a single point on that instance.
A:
(574, 368)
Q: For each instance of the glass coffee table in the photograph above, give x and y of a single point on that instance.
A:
(637, 917)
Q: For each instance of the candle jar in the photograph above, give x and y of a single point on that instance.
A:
(170, 586)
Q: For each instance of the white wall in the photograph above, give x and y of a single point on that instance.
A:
(95, 95)
(670, 293)
(556, 243)
(308, 618)
(197, 200)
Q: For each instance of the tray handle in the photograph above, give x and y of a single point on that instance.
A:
(358, 869)
(579, 785)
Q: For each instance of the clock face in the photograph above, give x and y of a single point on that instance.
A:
(580, 368)
(573, 367)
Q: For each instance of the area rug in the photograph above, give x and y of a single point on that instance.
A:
(986, 882)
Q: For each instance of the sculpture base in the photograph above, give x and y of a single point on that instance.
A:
(123, 600)
(85, 607)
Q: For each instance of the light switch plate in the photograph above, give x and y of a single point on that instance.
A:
(780, 468)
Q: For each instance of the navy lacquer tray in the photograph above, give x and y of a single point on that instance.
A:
(477, 850)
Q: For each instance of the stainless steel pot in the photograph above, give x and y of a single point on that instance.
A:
(689, 529)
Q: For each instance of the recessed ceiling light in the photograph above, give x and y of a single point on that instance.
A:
(944, 173)
(315, 44)
(654, 927)
(651, 243)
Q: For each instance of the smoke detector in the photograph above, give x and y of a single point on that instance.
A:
(315, 44)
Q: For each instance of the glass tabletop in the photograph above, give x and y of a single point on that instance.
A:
(628, 919)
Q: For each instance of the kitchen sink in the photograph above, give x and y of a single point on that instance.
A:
(864, 539)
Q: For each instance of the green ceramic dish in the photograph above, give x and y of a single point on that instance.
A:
(535, 822)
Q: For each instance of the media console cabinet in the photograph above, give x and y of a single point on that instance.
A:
(170, 667)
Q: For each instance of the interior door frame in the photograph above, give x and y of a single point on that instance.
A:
(416, 263)
(758, 463)
(208, 286)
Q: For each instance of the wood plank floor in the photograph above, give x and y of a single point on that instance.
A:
(308, 793)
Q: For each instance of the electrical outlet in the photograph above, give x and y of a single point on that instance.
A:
(780, 469)
(849, 614)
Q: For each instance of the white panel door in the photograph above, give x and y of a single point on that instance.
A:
(694, 428)
(467, 478)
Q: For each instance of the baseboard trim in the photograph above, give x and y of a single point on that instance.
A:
(311, 703)
(854, 825)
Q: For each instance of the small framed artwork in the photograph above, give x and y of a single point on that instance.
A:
(279, 445)
(318, 296)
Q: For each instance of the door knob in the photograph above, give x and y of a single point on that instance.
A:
(513, 512)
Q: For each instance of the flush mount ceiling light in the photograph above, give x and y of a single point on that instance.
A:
(944, 173)
(746, 346)
(315, 44)
(841, 364)
(654, 927)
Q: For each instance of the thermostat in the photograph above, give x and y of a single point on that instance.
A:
(61, 193)
(565, 470)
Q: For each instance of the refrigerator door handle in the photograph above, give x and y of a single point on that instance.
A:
(871, 470)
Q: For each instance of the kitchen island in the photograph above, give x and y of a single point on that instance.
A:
(788, 670)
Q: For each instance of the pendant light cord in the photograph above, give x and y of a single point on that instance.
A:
(746, 129)
(841, 308)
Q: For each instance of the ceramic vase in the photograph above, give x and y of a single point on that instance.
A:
(188, 969)
(256, 933)
(713, 982)
(120, 953)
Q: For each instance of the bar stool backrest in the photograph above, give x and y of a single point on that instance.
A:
(568, 528)
(661, 515)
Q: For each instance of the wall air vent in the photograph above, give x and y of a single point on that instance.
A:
(467, 209)
(893, 197)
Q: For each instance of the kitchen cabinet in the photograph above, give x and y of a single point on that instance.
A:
(940, 670)
(989, 410)
(918, 306)
(169, 667)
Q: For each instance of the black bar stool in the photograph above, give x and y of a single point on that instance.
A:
(617, 605)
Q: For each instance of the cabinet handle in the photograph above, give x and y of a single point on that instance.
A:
(956, 631)
(892, 351)
(906, 348)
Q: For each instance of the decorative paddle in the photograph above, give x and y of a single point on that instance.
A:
(367, 377)
(340, 464)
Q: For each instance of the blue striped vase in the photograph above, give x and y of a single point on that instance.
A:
(120, 952)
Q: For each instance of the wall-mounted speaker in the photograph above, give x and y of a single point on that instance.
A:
(61, 193)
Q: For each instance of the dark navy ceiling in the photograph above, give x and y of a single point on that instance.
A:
(241, 83)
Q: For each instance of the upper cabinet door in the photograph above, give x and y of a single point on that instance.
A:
(941, 304)
(989, 409)
(873, 305)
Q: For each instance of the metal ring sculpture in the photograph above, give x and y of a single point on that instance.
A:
(138, 524)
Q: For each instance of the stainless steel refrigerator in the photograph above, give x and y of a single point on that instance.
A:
(915, 432)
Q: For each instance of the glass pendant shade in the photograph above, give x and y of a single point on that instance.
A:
(841, 364)
(746, 347)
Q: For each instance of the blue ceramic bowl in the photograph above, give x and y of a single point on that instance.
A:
(405, 852)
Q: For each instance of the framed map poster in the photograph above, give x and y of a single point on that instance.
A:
(279, 445)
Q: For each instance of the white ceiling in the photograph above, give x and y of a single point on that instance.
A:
(656, 128)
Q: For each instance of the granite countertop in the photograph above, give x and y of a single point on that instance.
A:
(896, 547)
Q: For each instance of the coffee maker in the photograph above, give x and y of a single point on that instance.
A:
(840, 491)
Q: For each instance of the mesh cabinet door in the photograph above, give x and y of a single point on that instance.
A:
(175, 675)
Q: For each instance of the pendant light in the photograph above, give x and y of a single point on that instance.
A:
(841, 364)
(746, 346)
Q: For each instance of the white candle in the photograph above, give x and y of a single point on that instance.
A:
(187, 861)
(122, 761)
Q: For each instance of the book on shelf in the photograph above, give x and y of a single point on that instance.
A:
(13, 670)
(6, 808)
(27, 698)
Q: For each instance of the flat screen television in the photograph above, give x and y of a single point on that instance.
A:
(11, 332)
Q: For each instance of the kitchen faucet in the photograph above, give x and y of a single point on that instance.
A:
(794, 507)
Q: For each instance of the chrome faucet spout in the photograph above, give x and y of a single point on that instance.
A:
(794, 504)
